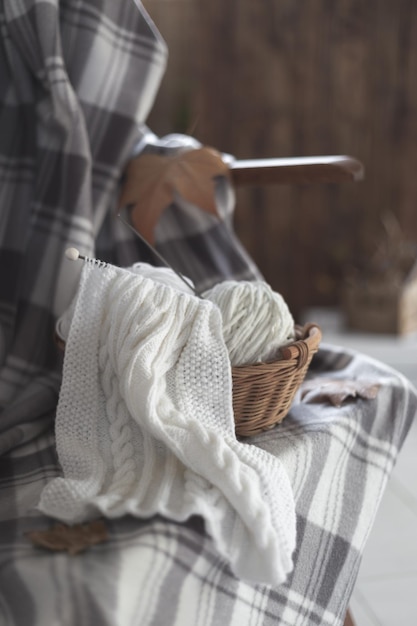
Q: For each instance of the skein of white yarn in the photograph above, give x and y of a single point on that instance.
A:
(256, 320)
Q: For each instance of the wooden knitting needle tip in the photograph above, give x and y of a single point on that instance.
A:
(73, 254)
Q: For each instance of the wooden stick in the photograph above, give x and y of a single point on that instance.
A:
(319, 169)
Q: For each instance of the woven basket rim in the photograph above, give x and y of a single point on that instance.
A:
(307, 336)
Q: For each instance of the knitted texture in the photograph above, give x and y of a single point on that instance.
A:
(145, 424)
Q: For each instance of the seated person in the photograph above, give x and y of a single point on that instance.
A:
(80, 78)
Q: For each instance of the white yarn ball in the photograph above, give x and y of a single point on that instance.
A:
(256, 320)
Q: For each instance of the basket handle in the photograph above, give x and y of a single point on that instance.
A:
(309, 342)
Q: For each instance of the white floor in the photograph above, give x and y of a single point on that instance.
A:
(386, 589)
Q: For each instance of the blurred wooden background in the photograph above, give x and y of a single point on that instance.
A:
(284, 78)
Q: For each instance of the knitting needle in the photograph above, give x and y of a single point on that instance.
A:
(73, 254)
(156, 253)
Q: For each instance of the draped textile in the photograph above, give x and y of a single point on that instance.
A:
(155, 572)
(144, 422)
(78, 79)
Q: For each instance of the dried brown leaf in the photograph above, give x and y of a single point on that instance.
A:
(153, 180)
(71, 539)
(337, 390)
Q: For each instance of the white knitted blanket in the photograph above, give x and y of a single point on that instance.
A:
(145, 424)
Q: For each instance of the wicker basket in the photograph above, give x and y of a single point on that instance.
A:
(263, 392)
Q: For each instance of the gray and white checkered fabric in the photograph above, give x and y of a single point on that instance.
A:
(155, 572)
(77, 81)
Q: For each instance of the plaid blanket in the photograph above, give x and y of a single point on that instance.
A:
(79, 79)
(161, 573)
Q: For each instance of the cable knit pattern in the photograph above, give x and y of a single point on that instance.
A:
(145, 423)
